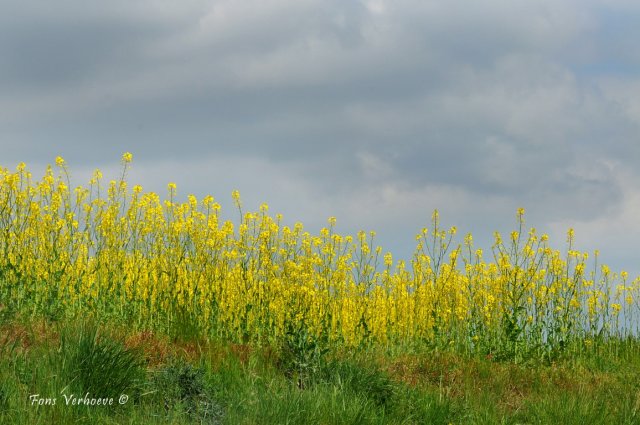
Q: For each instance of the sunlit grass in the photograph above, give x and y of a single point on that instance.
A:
(216, 383)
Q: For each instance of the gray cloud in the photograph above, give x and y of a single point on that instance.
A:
(376, 111)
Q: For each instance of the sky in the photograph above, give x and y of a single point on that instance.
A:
(376, 112)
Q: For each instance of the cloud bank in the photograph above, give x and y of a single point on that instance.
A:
(374, 111)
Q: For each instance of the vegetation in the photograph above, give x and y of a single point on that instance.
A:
(106, 292)
(219, 383)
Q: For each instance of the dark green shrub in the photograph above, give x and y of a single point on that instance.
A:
(302, 355)
(182, 389)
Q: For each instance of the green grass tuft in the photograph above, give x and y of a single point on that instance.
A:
(95, 363)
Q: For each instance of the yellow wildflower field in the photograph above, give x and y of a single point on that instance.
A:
(120, 252)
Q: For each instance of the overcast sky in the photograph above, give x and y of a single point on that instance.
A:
(376, 112)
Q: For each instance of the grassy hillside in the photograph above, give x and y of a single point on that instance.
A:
(46, 367)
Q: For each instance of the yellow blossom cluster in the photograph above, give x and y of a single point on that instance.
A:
(157, 263)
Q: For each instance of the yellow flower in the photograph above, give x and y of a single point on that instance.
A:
(97, 175)
(255, 278)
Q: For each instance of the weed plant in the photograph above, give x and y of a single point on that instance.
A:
(183, 390)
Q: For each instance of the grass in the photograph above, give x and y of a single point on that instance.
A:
(190, 381)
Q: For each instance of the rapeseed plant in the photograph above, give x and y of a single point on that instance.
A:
(151, 262)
